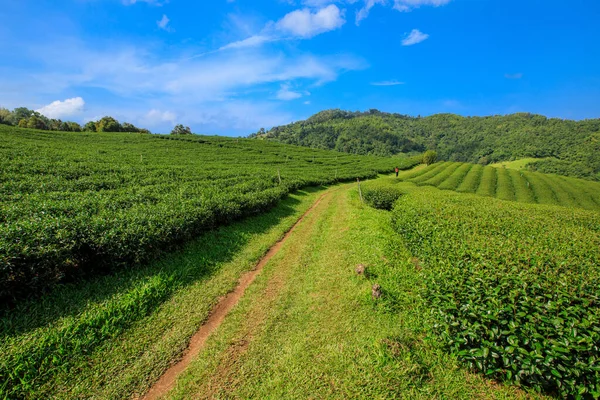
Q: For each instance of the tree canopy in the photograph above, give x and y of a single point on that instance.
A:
(26, 118)
(563, 146)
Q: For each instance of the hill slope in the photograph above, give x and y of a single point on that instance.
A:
(568, 147)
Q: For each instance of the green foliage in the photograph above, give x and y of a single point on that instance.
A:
(430, 157)
(25, 118)
(5, 116)
(381, 197)
(181, 130)
(108, 124)
(73, 205)
(89, 127)
(570, 147)
(513, 287)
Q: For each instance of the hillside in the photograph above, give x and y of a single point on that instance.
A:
(73, 204)
(565, 147)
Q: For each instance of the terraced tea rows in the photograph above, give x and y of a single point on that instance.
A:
(508, 184)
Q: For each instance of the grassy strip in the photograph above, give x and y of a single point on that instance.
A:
(487, 186)
(523, 192)
(457, 177)
(504, 187)
(79, 339)
(309, 328)
(442, 175)
(471, 182)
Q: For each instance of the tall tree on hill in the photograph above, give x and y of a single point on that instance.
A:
(181, 130)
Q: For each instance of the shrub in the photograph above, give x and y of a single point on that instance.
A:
(430, 157)
(381, 197)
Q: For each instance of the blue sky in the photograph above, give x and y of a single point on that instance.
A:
(231, 67)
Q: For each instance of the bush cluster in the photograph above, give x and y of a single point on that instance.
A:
(513, 287)
(381, 197)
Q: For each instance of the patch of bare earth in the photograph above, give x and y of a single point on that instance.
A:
(216, 317)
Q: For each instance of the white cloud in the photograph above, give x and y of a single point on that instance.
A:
(387, 83)
(164, 23)
(408, 5)
(61, 109)
(307, 102)
(155, 117)
(151, 2)
(518, 75)
(252, 41)
(306, 24)
(286, 94)
(414, 37)
(364, 12)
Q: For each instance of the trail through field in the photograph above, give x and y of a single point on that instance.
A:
(217, 315)
(303, 324)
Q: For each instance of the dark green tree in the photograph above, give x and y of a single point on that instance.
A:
(181, 130)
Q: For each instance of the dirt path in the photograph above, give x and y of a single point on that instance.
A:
(217, 315)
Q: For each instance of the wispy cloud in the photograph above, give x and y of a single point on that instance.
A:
(286, 94)
(364, 11)
(414, 37)
(62, 109)
(252, 41)
(408, 5)
(151, 2)
(164, 23)
(518, 75)
(387, 83)
(299, 24)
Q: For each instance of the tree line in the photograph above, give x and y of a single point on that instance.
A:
(562, 146)
(26, 118)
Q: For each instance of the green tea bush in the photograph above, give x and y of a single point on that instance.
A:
(514, 288)
(471, 181)
(76, 204)
(508, 184)
(381, 197)
(455, 179)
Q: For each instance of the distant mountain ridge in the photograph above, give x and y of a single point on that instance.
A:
(564, 147)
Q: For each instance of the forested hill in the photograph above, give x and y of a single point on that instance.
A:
(566, 147)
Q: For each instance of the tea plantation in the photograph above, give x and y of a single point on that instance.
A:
(73, 204)
(513, 288)
(508, 184)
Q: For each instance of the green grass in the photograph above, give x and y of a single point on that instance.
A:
(517, 164)
(308, 327)
(112, 336)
